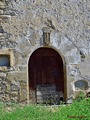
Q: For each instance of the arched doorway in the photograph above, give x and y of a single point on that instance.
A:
(46, 76)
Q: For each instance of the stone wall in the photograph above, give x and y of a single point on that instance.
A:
(21, 31)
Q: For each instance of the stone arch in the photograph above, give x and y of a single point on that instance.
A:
(69, 52)
(31, 64)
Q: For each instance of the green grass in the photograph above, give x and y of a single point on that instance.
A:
(77, 110)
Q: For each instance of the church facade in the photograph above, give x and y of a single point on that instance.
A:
(44, 50)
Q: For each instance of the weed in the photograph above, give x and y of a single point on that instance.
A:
(78, 110)
(79, 96)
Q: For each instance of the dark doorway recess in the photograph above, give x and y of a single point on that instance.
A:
(46, 77)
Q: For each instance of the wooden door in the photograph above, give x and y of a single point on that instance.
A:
(46, 67)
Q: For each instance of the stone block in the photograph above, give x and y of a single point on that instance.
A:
(55, 39)
(84, 69)
(4, 97)
(87, 59)
(1, 12)
(66, 45)
(73, 57)
(73, 69)
(32, 97)
(14, 87)
(23, 45)
(2, 5)
(14, 99)
(3, 87)
(14, 94)
(0, 89)
(2, 35)
(17, 76)
(8, 87)
(23, 93)
(3, 75)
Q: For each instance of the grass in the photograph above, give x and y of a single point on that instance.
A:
(77, 110)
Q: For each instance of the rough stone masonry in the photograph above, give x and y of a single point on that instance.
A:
(21, 33)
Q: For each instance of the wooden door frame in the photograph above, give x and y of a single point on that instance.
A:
(64, 71)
